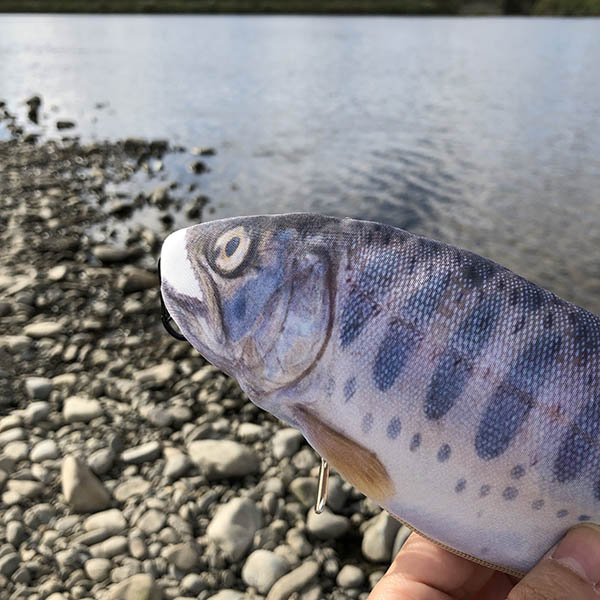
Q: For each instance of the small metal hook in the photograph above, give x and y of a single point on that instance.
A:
(165, 317)
(323, 486)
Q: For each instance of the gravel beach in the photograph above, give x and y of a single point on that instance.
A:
(129, 467)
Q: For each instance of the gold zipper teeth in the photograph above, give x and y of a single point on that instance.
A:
(479, 561)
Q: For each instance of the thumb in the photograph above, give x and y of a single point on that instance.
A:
(570, 570)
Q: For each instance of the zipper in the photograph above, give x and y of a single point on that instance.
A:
(479, 561)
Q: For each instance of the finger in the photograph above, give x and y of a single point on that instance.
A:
(571, 570)
(497, 588)
(424, 571)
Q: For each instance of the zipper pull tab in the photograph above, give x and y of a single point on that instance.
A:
(323, 486)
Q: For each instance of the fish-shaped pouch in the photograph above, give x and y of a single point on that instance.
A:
(461, 397)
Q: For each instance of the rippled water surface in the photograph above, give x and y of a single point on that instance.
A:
(482, 132)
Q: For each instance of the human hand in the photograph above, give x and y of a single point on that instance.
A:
(424, 571)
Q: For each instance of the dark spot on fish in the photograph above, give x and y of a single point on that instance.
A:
(512, 401)
(528, 295)
(484, 490)
(579, 448)
(367, 423)
(239, 306)
(393, 428)
(356, 312)
(461, 484)
(330, 387)
(510, 493)
(430, 248)
(520, 324)
(586, 335)
(502, 419)
(443, 453)
(584, 518)
(421, 306)
(447, 384)
(562, 513)
(365, 298)
(477, 270)
(453, 370)
(349, 388)
(537, 504)
(393, 354)
(415, 442)
(232, 245)
(517, 471)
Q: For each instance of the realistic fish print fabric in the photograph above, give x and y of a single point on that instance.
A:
(461, 397)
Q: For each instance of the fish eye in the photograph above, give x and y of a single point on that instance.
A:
(230, 250)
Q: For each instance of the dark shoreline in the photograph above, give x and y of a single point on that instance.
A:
(583, 8)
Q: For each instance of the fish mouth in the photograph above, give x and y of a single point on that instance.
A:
(165, 316)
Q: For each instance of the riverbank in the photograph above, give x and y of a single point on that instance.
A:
(126, 462)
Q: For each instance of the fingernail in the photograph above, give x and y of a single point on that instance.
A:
(579, 551)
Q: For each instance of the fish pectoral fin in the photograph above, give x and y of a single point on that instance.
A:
(358, 465)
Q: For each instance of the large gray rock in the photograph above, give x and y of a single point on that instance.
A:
(378, 538)
(134, 279)
(97, 569)
(223, 458)
(158, 375)
(137, 587)
(135, 486)
(286, 442)
(350, 576)
(327, 525)
(401, 537)
(228, 595)
(186, 556)
(42, 329)
(263, 568)
(294, 581)
(111, 520)
(305, 490)
(152, 521)
(80, 409)
(38, 388)
(44, 450)
(9, 563)
(140, 454)
(82, 490)
(234, 525)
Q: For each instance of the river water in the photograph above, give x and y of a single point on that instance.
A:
(482, 132)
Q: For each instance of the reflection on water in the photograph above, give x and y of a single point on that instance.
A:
(481, 132)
